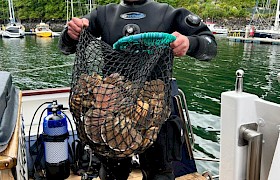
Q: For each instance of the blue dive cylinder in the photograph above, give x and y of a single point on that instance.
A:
(55, 137)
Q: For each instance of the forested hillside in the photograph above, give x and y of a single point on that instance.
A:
(36, 10)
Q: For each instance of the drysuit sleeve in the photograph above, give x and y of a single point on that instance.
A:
(203, 45)
(66, 44)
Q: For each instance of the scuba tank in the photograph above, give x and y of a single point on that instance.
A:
(55, 139)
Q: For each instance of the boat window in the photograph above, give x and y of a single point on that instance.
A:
(13, 30)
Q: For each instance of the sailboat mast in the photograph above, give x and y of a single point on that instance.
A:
(72, 9)
(67, 11)
(11, 11)
(90, 5)
(277, 18)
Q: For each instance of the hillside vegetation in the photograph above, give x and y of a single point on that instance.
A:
(56, 10)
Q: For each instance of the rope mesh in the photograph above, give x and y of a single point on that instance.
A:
(120, 97)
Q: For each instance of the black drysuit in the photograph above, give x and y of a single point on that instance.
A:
(113, 21)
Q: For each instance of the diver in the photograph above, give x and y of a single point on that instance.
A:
(113, 21)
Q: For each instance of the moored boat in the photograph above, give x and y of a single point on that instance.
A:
(13, 29)
(215, 29)
(43, 30)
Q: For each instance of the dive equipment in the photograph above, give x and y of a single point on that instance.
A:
(193, 20)
(55, 138)
(131, 29)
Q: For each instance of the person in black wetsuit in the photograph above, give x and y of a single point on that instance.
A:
(113, 21)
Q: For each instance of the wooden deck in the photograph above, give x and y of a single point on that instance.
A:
(137, 175)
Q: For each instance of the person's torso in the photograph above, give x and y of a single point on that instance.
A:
(117, 21)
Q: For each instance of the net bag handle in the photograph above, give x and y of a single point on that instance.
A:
(149, 38)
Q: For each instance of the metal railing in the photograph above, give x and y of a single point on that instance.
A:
(249, 135)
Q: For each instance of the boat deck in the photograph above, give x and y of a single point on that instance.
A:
(134, 175)
(137, 175)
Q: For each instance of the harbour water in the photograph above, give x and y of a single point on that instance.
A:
(37, 63)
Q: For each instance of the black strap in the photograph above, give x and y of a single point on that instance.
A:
(59, 138)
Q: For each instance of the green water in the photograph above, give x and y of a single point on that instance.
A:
(203, 82)
(37, 63)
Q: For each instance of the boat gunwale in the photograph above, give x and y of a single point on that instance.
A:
(45, 91)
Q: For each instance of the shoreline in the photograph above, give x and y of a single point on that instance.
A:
(230, 23)
(55, 27)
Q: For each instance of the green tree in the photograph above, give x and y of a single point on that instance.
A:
(37, 10)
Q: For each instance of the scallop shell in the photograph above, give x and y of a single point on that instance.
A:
(95, 79)
(106, 97)
(117, 133)
(93, 120)
(149, 137)
(82, 92)
(86, 83)
(141, 112)
(82, 80)
(146, 92)
(126, 106)
(157, 86)
(153, 87)
(80, 105)
(127, 85)
(115, 79)
(75, 106)
(135, 145)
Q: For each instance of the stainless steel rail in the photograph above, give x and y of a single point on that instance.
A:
(239, 81)
(206, 159)
(248, 135)
(188, 123)
(182, 103)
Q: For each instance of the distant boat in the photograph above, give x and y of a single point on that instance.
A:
(266, 31)
(13, 29)
(43, 30)
(215, 29)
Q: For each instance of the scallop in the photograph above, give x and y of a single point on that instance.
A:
(140, 113)
(86, 83)
(117, 133)
(149, 137)
(107, 97)
(115, 79)
(93, 120)
(126, 106)
(157, 86)
(135, 145)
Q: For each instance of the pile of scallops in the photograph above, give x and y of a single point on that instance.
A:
(121, 115)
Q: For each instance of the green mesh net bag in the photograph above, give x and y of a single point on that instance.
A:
(120, 96)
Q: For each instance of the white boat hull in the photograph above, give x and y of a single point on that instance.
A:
(239, 109)
(215, 29)
(12, 35)
(13, 31)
